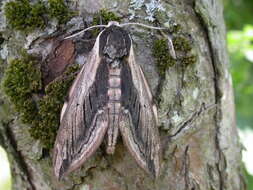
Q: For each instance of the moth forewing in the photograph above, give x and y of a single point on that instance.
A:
(148, 155)
(153, 106)
(69, 151)
(139, 72)
(91, 65)
(150, 164)
(86, 151)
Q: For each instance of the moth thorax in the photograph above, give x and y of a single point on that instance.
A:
(115, 64)
(115, 51)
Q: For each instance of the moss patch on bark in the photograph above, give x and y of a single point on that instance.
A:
(163, 58)
(25, 16)
(59, 10)
(22, 15)
(38, 107)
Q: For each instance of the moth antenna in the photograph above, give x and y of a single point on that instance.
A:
(143, 25)
(86, 29)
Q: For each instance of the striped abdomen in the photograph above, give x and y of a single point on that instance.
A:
(114, 107)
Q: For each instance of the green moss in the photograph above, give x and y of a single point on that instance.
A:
(50, 107)
(189, 60)
(175, 28)
(103, 17)
(22, 83)
(181, 44)
(25, 16)
(21, 15)
(162, 57)
(2, 67)
(21, 80)
(37, 15)
(58, 10)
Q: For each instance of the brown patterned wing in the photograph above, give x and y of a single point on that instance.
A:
(139, 119)
(83, 120)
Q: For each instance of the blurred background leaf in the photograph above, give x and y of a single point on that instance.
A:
(239, 20)
(237, 13)
(240, 46)
(5, 176)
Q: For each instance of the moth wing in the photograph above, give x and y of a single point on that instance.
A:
(83, 124)
(139, 123)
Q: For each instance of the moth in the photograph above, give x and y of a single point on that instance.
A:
(109, 97)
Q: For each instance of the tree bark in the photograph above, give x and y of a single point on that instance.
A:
(201, 149)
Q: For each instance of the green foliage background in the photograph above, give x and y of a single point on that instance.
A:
(239, 20)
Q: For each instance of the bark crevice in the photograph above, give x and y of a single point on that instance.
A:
(186, 125)
(217, 94)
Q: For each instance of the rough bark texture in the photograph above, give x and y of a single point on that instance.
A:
(197, 120)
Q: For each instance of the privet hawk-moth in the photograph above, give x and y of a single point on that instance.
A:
(110, 96)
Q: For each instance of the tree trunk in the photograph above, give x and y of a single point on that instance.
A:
(201, 149)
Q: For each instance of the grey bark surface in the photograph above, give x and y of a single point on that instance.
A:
(196, 119)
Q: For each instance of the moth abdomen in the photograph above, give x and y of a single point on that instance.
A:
(114, 106)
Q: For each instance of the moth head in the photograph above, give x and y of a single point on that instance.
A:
(114, 42)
